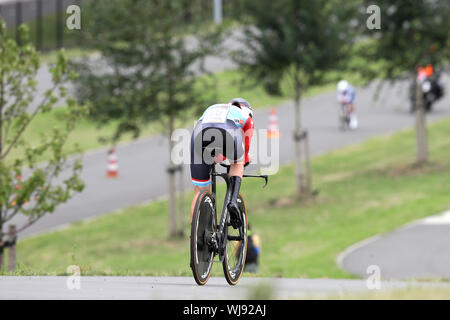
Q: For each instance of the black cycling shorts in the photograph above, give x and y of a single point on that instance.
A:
(209, 140)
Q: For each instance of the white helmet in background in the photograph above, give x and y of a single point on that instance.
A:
(343, 85)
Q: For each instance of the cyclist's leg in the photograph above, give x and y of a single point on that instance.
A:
(237, 169)
(235, 174)
(200, 171)
(197, 191)
(351, 108)
(353, 119)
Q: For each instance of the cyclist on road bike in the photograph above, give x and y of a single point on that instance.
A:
(346, 96)
(432, 89)
(224, 131)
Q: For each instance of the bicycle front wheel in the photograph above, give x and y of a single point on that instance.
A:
(203, 228)
(236, 246)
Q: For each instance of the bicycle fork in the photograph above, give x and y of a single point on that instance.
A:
(218, 239)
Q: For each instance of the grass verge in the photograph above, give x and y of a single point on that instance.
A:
(365, 190)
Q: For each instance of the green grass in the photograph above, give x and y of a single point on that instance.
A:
(365, 190)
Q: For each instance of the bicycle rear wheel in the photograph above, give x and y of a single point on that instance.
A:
(203, 227)
(236, 246)
(344, 118)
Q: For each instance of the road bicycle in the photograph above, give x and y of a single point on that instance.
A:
(344, 117)
(210, 238)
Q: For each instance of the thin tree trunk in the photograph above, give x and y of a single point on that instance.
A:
(298, 150)
(12, 248)
(1, 151)
(308, 166)
(1, 247)
(181, 202)
(2, 93)
(421, 127)
(172, 186)
(173, 228)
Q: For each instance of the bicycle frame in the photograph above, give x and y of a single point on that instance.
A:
(221, 234)
(345, 110)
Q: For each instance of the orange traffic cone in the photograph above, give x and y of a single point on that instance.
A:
(273, 131)
(113, 167)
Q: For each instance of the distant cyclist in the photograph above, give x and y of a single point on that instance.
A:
(346, 97)
(224, 131)
(432, 89)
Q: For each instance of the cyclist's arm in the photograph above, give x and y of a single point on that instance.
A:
(352, 96)
(248, 128)
(341, 98)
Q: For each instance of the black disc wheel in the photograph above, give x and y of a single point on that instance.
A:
(203, 228)
(236, 247)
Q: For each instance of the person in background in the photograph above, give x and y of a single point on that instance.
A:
(346, 97)
(253, 252)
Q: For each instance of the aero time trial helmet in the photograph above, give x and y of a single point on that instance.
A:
(240, 102)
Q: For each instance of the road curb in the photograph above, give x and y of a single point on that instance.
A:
(423, 221)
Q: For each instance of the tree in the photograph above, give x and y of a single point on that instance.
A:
(297, 40)
(412, 33)
(27, 185)
(148, 72)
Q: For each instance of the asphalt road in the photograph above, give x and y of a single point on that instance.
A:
(177, 288)
(420, 250)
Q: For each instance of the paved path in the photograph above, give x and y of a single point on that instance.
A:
(420, 250)
(143, 163)
(175, 288)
